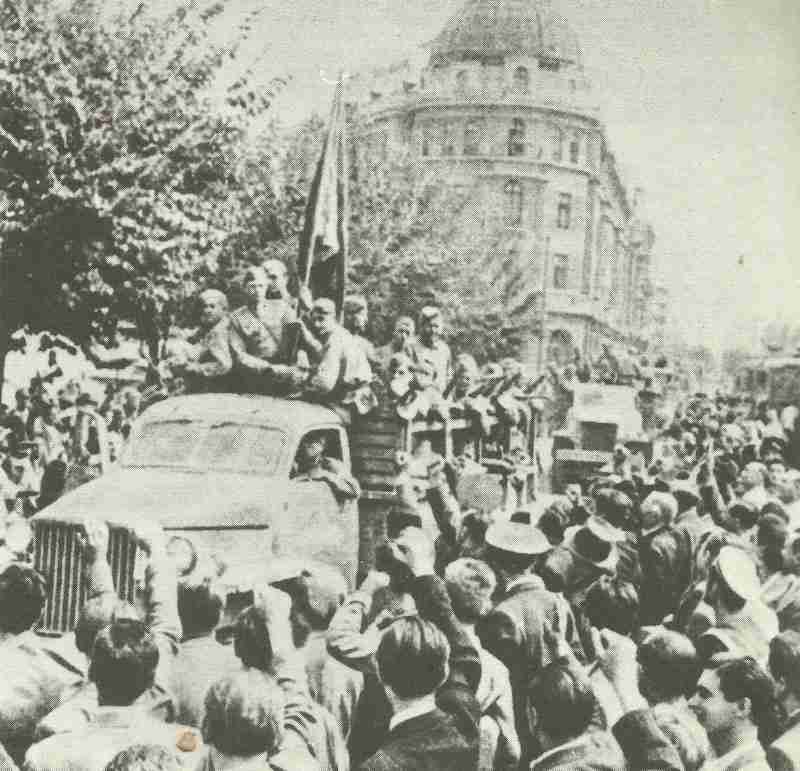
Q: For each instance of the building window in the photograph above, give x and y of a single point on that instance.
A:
(462, 82)
(556, 142)
(473, 132)
(522, 80)
(448, 139)
(574, 151)
(564, 210)
(560, 271)
(516, 137)
(513, 203)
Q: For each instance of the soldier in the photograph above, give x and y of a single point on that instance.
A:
(313, 464)
(402, 342)
(339, 367)
(356, 317)
(258, 330)
(431, 350)
(210, 359)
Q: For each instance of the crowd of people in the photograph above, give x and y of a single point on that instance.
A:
(648, 618)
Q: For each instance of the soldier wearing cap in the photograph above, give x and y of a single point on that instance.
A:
(431, 350)
(356, 318)
(402, 343)
(211, 358)
(259, 336)
(528, 622)
(339, 366)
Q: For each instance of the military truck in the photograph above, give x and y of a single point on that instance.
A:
(216, 471)
(601, 417)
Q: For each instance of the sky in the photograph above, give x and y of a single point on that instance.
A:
(700, 99)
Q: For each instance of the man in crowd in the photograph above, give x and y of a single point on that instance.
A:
(356, 320)
(402, 342)
(733, 702)
(784, 666)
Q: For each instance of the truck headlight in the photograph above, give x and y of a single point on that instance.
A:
(18, 535)
(183, 554)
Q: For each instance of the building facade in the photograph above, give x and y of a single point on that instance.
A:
(501, 105)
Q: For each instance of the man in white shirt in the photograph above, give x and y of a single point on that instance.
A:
(732, 702)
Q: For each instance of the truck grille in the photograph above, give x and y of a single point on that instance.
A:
(57, 556)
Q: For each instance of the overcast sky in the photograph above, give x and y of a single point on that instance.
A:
(700, 99)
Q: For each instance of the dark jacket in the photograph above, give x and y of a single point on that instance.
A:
(594, 751)
(521, 632)
(448, 737)
(666, 572)
(644, 743)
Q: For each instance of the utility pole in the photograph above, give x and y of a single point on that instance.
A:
(542, 357)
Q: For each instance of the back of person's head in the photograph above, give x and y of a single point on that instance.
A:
(23, 593)
(244, 714)
(772, 533)
(96, 614)
(562, 702)
(744, 678)
(251, 642)
(687, 736)
(784, 661)
(743, 516)
(317, 593)
(615, 507)
(145, 757)
(124, 661)
(669, 666)
(470, 584)
(413, 657)
(613, 604)
(199, 606)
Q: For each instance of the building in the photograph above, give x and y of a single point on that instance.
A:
(501, 103)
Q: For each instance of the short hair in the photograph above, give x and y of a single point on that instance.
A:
(317, 594)
(23, 593)
(251, 641)
(145, 757)
(773, 508)
(784, 658)
(244, 714)
(96, 614)
(563, 700)
(670, 663)
(746, 514)
(611, 603)
(413, 657)
(199, 607)
(772, 534)
(744, 678)
(614, 506)
(124, 661)
(216, 294)
(666, 504)
(470, 584)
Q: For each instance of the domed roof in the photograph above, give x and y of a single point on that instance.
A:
(486, 28)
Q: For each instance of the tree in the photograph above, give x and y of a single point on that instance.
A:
(417, 237)
(120, 177)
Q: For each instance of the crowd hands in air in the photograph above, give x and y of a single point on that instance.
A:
(649, 618)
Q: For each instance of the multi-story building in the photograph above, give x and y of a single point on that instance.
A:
(502, 104)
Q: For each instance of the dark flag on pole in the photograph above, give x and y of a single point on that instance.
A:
(322, 263)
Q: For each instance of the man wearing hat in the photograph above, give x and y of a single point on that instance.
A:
(356, 318)
(403, 342)
(339, 366)
(528, 621)
(211, 358)
(588, 552)
(744, 624)
(431, 350)
(259, 335)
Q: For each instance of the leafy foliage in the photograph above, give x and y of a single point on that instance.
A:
(121, 180)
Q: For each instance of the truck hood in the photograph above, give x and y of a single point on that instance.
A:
(175, 499)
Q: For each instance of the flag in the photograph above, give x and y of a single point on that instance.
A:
(322, 263)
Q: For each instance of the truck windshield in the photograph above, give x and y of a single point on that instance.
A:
(188, 444)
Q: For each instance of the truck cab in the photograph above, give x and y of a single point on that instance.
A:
(216, 472)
